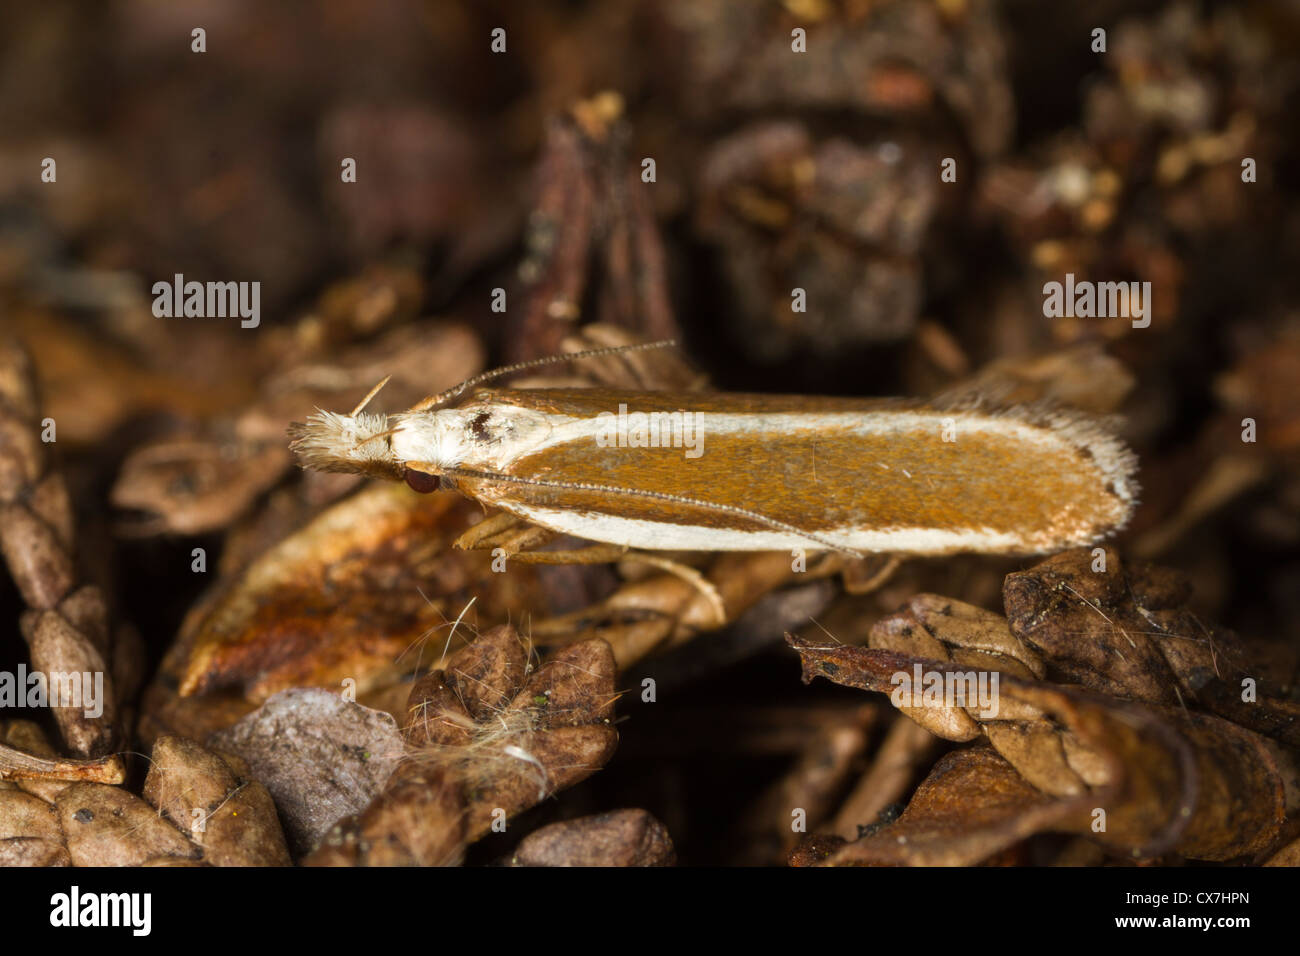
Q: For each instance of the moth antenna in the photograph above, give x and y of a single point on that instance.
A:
(656, 496)
(442, 397)
(371, 394)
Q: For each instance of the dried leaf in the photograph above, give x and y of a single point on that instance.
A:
(360, 594)
(972, 806)
(418, 820)
(487, 740)
(106, 826)
(233, 820)
(30, 834)
(1197, 785)
(617, 838)
(66, 629)
(320, 757)
(1128, 632)
(812, 786)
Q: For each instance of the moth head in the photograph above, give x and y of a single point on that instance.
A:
(354, 444)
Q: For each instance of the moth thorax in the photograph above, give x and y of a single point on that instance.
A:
(435, 437)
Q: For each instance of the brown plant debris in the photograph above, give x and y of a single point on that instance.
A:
(1122, 760)
(203, 475)
(320, 756)
(1129, 632)
(66, 625)
(211, 797)
(488, 736)
(617, 838)
(590, 218)
(361, 593)
(109, 826)
(28, 759)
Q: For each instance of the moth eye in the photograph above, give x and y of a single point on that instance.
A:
(421, 481)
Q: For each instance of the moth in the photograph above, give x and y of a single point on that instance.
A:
(687, 471)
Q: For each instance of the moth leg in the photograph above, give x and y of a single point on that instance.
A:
(519, 538)
(603, 553)
(864, 575)
(504, 530)
(688, 574)
(594, 554)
